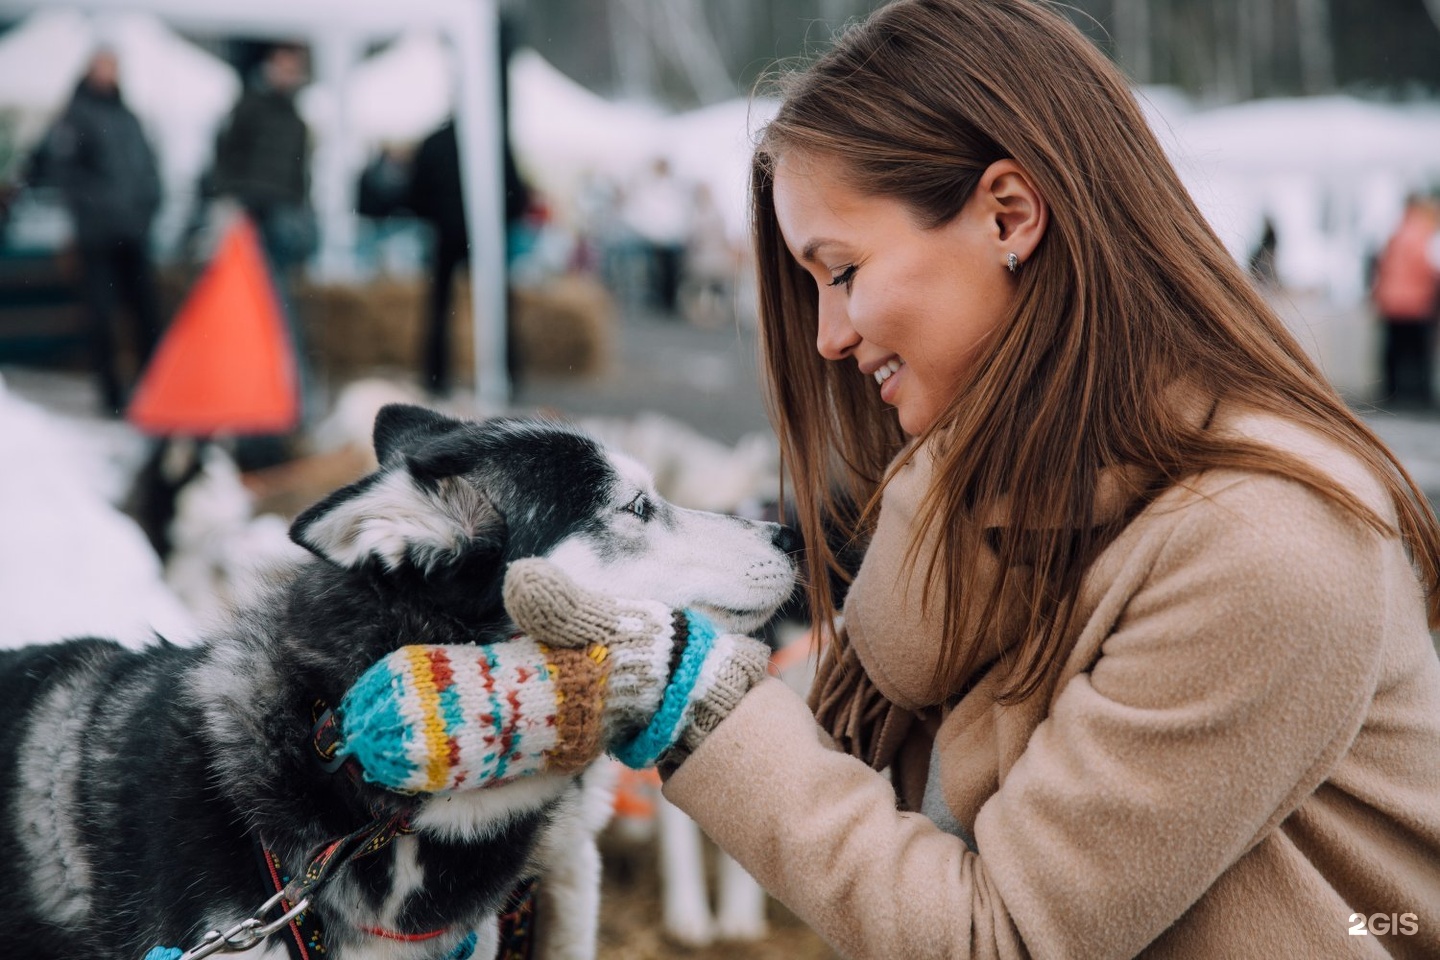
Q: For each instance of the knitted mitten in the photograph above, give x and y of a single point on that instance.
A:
(593, 673)
(673, 678)
(433, 719)
(643, 640)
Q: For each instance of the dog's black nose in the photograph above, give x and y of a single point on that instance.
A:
(786, 539)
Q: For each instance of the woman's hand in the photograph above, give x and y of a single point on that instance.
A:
(672, 678)
(589, 674)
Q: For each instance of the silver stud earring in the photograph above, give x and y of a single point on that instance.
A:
(1012, 262)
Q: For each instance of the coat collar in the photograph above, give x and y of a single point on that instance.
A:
(895, 635)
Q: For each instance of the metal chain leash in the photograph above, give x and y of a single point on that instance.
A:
(252, 931)
(247, 934)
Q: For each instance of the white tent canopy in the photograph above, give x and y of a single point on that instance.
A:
(339, 32)
(40, 61)
(402, 93)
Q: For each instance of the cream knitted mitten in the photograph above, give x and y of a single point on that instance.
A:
(643, 639)
(674, 677)
(592, 673)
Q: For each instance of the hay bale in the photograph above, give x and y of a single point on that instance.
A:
(354, 329)
(564, 328)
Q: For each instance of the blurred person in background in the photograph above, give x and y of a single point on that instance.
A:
(710, 264)
(658, 208)
(437, 196)
(262, 163)
(98, 156)
(1406, 294)
(1262, 257)
(262, 158)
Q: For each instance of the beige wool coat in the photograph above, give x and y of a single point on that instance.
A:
(1243, 750)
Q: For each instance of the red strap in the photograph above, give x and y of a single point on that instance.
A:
(405, 937)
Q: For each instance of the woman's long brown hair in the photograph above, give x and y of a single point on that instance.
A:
(1129, 292)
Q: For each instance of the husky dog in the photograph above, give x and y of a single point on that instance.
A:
(148, 794)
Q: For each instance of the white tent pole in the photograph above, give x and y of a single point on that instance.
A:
(335, 167)
(477, 125)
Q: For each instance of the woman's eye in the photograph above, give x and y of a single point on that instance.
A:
(844, 277)
(640, 506)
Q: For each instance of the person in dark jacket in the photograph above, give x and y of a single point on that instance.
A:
(262, 162)
(262, 159)
(107, 174)
(436, 197)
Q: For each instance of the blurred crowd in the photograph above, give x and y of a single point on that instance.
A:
(657, 242)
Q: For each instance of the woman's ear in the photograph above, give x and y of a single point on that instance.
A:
(1014, 205)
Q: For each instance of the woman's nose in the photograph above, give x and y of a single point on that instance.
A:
(835, 337)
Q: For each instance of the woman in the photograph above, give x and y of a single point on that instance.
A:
(1137, 661)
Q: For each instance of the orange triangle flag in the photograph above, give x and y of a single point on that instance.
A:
(226, 365)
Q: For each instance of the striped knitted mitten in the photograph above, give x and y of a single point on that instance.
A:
(433, 718)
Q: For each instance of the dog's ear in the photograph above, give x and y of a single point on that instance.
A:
(391, 516)
(404, 426)
(440, 457)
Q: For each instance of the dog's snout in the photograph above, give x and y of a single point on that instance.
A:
(786, 539)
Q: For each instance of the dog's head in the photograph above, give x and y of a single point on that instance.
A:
(456, 501)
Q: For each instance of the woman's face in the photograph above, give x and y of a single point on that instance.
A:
(910, 306)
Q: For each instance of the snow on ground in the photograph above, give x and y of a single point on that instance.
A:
(72, 563)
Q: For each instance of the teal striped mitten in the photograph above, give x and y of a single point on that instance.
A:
(439, 718)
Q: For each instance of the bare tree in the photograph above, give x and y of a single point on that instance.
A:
(1132, 38)
(1260, 40)
(696, 52)
(1225, 79)
(1162, 59)
(1317, 53)
(1434, 7)
(1241, 41)
(630, 42)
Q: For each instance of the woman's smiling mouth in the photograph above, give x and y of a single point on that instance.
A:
(887, 378)
(888, 369)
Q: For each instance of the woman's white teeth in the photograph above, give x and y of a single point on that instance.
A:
(884, 372)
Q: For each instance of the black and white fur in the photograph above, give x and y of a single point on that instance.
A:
(134, 782)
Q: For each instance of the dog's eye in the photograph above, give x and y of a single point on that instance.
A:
(640, 506)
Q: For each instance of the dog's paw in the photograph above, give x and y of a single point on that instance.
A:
(689, 928)
(741, 925)
(741, 912)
